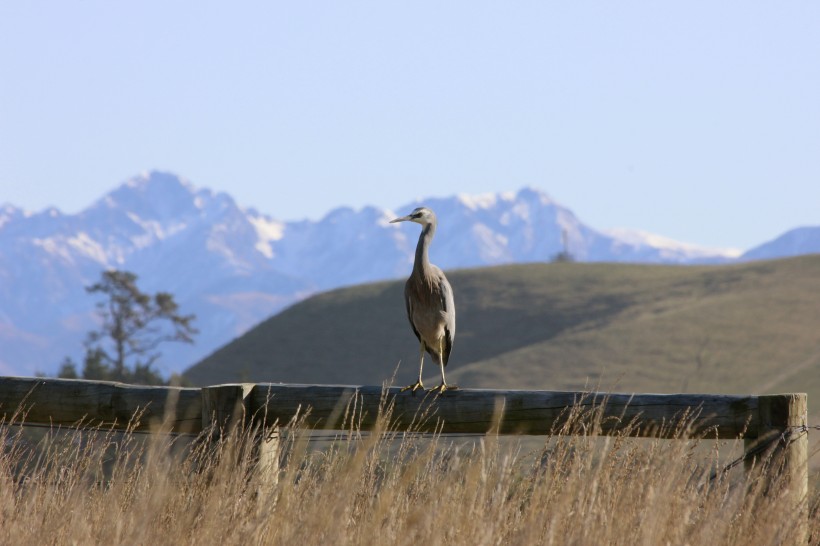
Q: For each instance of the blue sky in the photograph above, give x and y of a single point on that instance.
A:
(699, 121)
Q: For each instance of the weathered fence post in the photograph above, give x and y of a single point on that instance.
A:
(783, 443)
(230, 407)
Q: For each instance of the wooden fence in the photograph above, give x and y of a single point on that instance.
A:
(774, 422)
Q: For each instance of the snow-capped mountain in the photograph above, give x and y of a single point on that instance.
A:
(233, 266)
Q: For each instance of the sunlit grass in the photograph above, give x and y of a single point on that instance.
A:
(103, 487)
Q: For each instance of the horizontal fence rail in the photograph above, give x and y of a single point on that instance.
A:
(68, 402)
(520, 412)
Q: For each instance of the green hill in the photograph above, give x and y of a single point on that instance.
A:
(744, 328)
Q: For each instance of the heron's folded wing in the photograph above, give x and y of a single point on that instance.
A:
(448, 307)
(408, 300)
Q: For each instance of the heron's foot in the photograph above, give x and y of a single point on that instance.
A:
(413, 388)
(444, 387)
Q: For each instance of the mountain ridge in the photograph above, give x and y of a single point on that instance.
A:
(233, 266)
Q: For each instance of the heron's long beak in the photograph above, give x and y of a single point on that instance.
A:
(402, 219)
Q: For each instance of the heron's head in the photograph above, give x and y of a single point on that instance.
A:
(421, 215)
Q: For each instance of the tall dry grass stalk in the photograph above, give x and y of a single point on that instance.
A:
(102, 487)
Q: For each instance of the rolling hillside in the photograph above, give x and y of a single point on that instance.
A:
(751, 327)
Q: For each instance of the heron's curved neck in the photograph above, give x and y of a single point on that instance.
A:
(422, 263)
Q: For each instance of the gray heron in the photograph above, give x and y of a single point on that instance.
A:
(429, 300)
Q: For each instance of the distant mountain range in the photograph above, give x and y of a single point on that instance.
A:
(234, 266)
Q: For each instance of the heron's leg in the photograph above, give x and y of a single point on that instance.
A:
(444, 386)
(419, 384)
(421, 361)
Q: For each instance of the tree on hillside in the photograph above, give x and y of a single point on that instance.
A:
(132, 327)
(565, 255)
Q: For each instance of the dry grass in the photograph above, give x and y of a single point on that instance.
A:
(110, 488)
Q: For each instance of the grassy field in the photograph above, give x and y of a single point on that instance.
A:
(384, 488)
